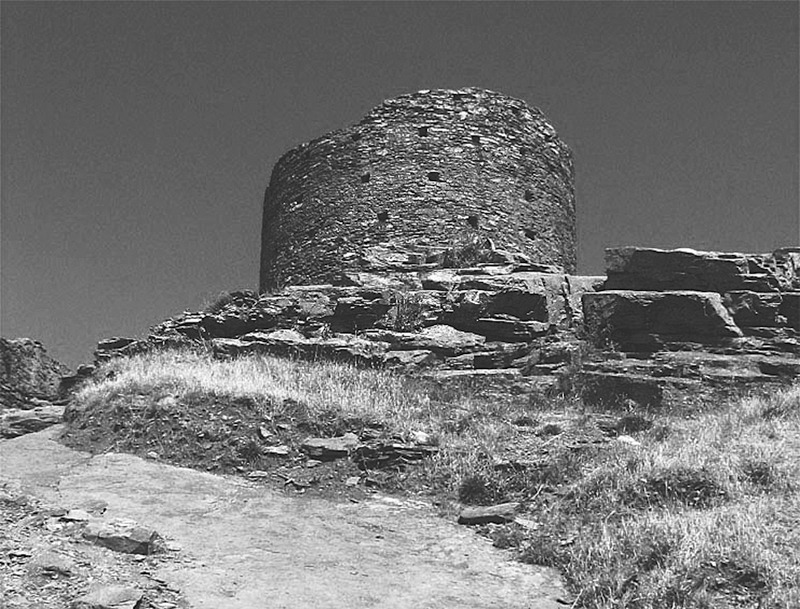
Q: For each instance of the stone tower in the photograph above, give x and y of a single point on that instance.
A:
(417, 172)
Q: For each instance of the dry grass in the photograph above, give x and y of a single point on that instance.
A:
(707, 515)
(704, 512)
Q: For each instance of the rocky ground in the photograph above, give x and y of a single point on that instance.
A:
(233, 543)
(53, 557)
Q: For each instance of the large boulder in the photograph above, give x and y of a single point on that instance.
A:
(27, 373)
(644, 321)
(634, 268)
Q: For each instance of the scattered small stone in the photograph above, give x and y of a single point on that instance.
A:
(628, 440)
(95, 506)
(277, 451)
(109, 597)
(258, 474)
(420, 437)
(352, 481)
(76, 515)
(152, 455)
(264, 432)
(500, 513)
(527, 523)
(18, 422)
(20, 554)
(313, 463)
(328, 449)
(381, 454)
(123, 535)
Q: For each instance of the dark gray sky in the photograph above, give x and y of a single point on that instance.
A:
(138, 138)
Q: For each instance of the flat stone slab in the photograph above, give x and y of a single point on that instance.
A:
(498, 514)
(109, 597)
(122, 535)
(385, 553)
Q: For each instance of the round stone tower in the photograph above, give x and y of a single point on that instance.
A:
(417, 172)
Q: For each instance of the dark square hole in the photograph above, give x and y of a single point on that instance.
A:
(383, 216)
(423, 131)
(365, 178)
(434, 176)
(356, 137)
(528, 196)
(473, 221)
(476, 139)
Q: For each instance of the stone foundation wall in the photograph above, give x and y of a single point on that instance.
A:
(421, 172)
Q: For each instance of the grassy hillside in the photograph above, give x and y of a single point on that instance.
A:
(637, 509)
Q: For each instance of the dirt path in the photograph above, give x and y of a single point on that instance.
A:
(248, 547)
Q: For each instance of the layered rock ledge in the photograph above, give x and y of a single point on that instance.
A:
(646, 333)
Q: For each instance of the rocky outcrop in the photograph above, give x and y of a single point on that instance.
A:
(645, 320)
(475, 318)
(637, 268)
(680, 296)
(30, 383)
(682, 325)
(28, 375)
(664, 327)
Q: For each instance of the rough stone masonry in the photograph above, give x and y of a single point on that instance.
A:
(420, 172)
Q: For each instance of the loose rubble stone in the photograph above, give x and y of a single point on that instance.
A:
(276, 451)
(328, 449)
(52, 564)
(123, 535)
(500, 513)
(76, 515)
(381, 454)
(418, 358)
(110, 597)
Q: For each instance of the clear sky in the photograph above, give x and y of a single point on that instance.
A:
(137, 138)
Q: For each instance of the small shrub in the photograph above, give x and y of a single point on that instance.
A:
(759, 472)
(631, 423)
(474, 490)
(660, 432)
(467, 251)
(216, 305)
(409, 312)
(250, 451)
(781, 405)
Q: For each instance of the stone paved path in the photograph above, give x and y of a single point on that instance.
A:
(249, 547)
